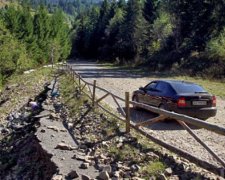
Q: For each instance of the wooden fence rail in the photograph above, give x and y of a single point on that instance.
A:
(181, 119)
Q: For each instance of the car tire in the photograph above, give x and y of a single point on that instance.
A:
(135, 99)
(163, 107)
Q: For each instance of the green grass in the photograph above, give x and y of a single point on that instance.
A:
(126, 152)
(215, 87)
(68, 92)
(152, 169)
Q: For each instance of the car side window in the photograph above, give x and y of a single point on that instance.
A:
(151, 86)
(161, 86)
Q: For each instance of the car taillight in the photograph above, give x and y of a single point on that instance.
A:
(181, 102)
(214, 101)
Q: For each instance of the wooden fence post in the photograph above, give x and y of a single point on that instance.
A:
(71, 70)
(93, 97)
(127, 108)
(74, 77)
(79, 83)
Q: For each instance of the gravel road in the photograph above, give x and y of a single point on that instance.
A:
(119, 81)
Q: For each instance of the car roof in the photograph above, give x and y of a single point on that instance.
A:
(183, 86)
(174, 81)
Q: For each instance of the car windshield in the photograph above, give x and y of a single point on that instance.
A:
(187, 88)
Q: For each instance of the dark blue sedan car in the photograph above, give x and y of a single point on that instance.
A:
(178, 96)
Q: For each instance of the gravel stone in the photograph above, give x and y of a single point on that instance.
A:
(73, 174)
(104, 175)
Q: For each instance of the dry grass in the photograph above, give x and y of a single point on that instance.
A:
(27, 86)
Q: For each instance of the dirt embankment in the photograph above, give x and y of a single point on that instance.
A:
(120, 81)
(21, 155)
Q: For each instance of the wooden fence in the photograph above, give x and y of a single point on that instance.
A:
(183, 120)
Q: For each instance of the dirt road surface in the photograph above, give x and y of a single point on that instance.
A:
(119, 81)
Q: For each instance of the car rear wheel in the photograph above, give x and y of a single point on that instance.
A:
(163, 107)
(135, 99)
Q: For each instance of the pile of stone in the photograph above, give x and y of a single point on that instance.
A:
(95, 142)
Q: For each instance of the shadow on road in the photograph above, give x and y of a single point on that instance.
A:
(93, 70)
(142, 115)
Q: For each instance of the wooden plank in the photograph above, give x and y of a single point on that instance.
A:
(93, 96)
(79, 83)
(151, 121)
(187, 119)
(102, 89)
(127, 107)
(202, 143)
(90, 97)
(121, 109)
(100, 99)
(83, 87)
(89, 89)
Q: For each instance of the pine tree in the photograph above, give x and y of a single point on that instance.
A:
(41, 35)
(196, 20)
(103, 21)
(149, 11)
(132, 34)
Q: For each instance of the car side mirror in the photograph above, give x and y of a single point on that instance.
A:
(142, 89)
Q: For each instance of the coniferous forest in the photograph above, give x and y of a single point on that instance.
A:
(187, 36)
(29, 37)
(168, 34)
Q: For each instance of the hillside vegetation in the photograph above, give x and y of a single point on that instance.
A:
(30, 38)
(181, 35)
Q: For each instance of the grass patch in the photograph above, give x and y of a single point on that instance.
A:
(152, 169)
(126, 152)
(71, 96)
(29, 80)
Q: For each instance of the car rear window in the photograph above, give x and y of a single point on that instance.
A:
(187, 88)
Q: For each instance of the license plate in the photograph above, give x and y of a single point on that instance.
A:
(199, 103)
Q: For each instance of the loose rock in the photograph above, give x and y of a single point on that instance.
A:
(168, 171)
(84, 166)
(43, 131)
(73, 174)
(54, 128)
(106, 168)
(63, 146)
(104, 175)
(85, 177)
(162, 177)
(57, 177)
(116, 174)
(135, 167)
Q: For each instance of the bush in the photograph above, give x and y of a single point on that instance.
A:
(216, 47)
